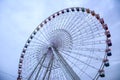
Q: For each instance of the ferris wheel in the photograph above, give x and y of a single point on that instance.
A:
(72, 44)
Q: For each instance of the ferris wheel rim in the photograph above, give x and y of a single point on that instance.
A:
(54, 16)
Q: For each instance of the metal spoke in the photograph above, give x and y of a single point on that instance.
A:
(79, 68)
(83, 55)
(80, 61)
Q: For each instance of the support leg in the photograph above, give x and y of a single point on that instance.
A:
(68, 71)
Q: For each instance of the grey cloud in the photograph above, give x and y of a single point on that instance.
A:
(19, 18)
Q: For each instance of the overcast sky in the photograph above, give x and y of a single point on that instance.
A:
(18, 18)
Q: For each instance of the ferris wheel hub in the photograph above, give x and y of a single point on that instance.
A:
(60, 39)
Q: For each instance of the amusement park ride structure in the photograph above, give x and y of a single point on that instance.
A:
(71, 44)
